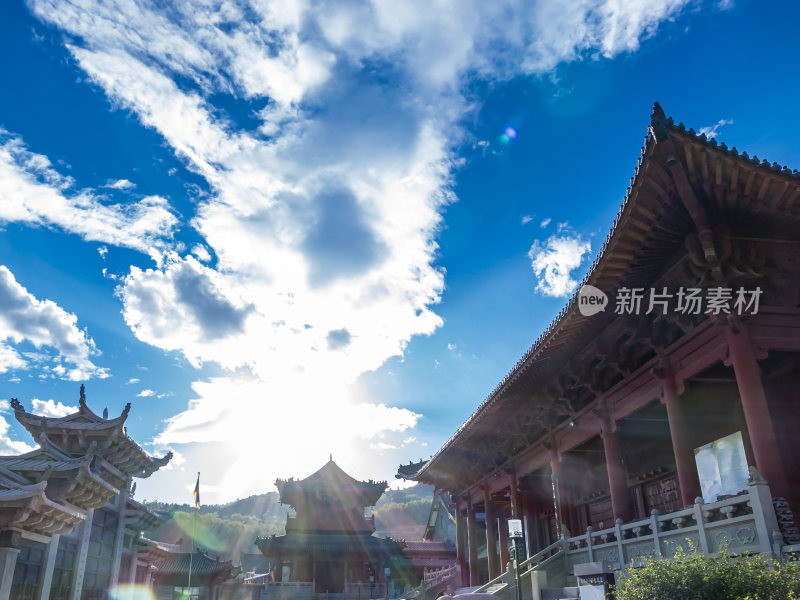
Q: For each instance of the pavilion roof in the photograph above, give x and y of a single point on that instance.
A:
(139, 517)
(84, 431)
(173, 568)
(329, 482)
(77, 481)
(648, 233)
(27, 507)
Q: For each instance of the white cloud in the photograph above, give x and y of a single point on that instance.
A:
(545, 222)
(46, 325)
(323, 217)
(51, 408)
(35, 194)
(713, 131)
(554, 260)
(224, 429)
(120, 184)
(201, 252)
(451, 347)
(145, 394)
(7, 445)
(132, 380)
(526, 219)
(10, 359)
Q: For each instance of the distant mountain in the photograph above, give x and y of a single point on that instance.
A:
(231, 528)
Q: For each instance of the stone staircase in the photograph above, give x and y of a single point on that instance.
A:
(566, 593)
(494, 588)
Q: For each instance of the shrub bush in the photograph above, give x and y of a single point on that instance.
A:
(692, 576)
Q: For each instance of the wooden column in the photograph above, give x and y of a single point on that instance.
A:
(49, 566)
(8, 562)
(555, 472)
(148, 577)
(532, 510)
(491, 535)
(513, 491)
(83, 551)
(122, 505)
(685, 466)
(472, 534)
(461, 549)
(517, 509)
(503, 535)
(132, 568)
(617, 478)
(621, 504)
(742, 356)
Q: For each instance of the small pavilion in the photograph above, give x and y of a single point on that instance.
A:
(329, 546)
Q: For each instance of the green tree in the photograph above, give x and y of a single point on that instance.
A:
(690, 575)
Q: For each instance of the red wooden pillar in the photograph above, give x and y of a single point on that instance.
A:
(742, 356)
(504, 554)
(472, 534)
(461, 550)
(555, 473)
(685, 466)
(621, 504)
(491, 535)
(532, 511)
(513, 490)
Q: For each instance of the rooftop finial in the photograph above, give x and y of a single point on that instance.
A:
(658, 123)
(82, 398)
(330, 456)
(105, 412)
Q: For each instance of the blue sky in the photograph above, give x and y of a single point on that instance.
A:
(287, 229)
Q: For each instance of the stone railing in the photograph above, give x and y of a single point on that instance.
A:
(440, 575)
(742, 523)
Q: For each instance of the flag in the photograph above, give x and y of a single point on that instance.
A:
(197, 493)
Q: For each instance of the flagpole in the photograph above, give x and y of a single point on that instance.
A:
(194, 529)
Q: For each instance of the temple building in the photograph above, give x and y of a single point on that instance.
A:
(70, 528)
(329, 546)
(661, 403)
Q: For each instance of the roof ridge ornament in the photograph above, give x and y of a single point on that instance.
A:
(658, 123)
(82, 399)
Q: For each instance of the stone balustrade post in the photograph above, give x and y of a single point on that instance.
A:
(763, 511)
